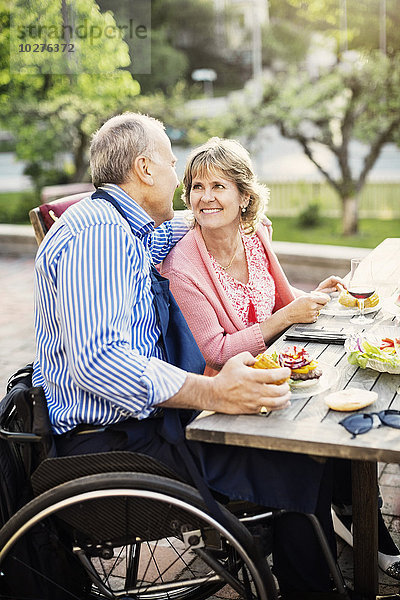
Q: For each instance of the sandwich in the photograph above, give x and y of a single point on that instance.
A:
(266, 361)
(304, 370)
(346, 299)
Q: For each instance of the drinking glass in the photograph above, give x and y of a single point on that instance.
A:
(360, 286)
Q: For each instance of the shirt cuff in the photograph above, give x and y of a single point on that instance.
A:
(162, 381)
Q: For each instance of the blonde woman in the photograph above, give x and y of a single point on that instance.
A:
(224, 273)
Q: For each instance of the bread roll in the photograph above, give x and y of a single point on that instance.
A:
(350, 399)
(371, 301)
(348, 300)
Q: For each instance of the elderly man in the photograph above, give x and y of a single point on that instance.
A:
(114, 350)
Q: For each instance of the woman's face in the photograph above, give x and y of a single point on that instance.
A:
(216, 201)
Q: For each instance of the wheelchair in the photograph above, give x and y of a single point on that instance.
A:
(128, 525)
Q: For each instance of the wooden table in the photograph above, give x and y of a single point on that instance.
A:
(308, 426)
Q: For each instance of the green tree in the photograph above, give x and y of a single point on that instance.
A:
(52, 113)
(357, 100)
(364, 21)
(284, 41)
(185, 35)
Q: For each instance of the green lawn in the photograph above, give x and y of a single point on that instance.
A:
(14, 208)
(372, 232)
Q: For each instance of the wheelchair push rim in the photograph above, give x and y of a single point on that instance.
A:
(239, 566)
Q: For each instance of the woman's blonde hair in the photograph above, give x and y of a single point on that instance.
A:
(231, 159)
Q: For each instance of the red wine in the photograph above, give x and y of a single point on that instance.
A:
(361, 293)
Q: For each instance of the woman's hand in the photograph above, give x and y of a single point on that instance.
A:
(329, 285)
(305, 309)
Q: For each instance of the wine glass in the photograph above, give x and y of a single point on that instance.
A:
(361, 286)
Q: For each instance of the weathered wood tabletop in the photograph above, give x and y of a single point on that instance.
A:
(308, 426)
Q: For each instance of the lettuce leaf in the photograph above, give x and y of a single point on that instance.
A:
(371, 352)
(356, 358)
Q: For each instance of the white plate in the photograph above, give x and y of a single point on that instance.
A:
(328, 379)
(334, 309)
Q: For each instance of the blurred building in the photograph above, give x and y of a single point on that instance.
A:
(238, 27)
(243, 16)
(244, 10)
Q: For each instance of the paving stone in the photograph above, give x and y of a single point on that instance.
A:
(391, 497)
(392, 468)
(17, 345)
(389, 479)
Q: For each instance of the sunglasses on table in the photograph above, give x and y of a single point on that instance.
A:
(363, 422)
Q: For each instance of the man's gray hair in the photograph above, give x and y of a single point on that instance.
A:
(117, 144)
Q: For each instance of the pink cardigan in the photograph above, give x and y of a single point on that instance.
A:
(217, 328)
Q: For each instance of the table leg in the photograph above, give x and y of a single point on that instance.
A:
(365, 528)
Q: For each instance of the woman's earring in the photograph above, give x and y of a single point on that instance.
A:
(243, 209)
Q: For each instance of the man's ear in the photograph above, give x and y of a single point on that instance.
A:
(141, 168)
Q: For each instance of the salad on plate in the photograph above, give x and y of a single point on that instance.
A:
(380, 354)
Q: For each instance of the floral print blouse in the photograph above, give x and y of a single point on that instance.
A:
(254, 301)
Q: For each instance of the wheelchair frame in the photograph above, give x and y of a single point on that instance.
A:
(116, 510)
(120, 511)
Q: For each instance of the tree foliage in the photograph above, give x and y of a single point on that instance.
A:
(284, 41)
(363, 20)
(53, 116)
(354, 100)
(186, 35)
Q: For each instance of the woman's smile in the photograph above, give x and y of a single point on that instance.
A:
(210, 211)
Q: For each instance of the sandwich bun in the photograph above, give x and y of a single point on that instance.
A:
(350, 399)
(303, 383)
(346, 299)
(266, 361)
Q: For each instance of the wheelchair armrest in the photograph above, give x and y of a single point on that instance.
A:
(19, 436)
(25, 424)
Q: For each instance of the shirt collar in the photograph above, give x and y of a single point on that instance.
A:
(138, 219)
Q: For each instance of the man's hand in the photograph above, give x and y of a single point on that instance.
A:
(236, 389)
(240, 390)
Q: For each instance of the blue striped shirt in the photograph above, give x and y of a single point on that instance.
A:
(97, 355)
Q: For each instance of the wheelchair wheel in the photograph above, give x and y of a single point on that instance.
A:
(138, 536)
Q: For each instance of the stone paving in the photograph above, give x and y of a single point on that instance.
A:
(16, 315)
(17, 349)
